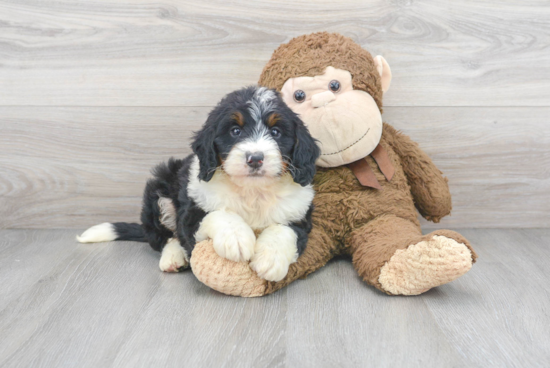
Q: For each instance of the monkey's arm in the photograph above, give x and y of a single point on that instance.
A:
(428, 185)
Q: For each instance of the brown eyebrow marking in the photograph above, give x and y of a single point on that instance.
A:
(238, 118)
(273, 119)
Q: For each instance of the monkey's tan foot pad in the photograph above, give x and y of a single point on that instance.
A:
(425, 265)
(223, 275)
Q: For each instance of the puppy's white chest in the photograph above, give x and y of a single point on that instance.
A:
(278, 202)
(261, 208)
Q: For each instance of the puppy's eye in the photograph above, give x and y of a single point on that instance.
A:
(334, 85)
(235, 132)
(299, 96)
(275, 133)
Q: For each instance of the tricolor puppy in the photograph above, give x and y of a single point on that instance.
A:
(250, 174)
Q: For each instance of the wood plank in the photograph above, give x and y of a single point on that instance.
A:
(496, 315)
(194, 326)
(336, 320)
(533, 244)
(27, 257)
(74, 167)
(109, 305)
(191, 53)
(497, 161)
(82, 308)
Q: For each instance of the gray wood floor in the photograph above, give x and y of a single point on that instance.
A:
(68, 304)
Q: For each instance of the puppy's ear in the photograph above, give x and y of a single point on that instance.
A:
(304, 155)
(203, 147)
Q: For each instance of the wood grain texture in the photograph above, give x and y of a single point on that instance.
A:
(62, 164)
(497, 161)
(335, 320)
(78, 166)
(508, 299)
(66, 304)
(191, 53)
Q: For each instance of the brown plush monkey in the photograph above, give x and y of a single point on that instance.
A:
(370, 179)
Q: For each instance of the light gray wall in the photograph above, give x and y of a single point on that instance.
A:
(92, 94)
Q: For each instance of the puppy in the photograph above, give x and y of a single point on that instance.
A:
(250, 175)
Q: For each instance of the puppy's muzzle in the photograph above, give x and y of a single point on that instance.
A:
(254, 159)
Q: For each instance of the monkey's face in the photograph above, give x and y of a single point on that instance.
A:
(346, 122)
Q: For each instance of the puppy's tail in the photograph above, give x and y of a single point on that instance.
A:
(112, 231)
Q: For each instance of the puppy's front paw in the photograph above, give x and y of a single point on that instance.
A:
(232, 238)
(235, 243)
(173, 257)
(275, 251)
(270, 265)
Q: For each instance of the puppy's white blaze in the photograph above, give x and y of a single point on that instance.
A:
(260, 202)
(275, 251)
(167, 213)
(173, 256)
(99, 233)
(232, 237)
(262, 102)
(235, 163)
(264, 95)
(260, 131)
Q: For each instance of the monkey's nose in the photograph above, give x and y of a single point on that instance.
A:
(323, 98)
(254, 160)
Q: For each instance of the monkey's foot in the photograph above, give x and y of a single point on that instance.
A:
(427, 264)
(223, 275)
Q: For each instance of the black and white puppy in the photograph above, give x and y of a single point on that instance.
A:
(250, 174)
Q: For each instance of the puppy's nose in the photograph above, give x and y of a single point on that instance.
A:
(254, 159)
(323, 98)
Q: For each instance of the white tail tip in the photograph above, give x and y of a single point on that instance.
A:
(99, 233)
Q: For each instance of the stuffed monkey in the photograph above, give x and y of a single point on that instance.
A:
(370, 178)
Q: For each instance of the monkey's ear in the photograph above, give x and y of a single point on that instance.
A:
(203, 146)
(304, 155)
(385, 72)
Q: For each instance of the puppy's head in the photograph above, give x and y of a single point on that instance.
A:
(255, 138)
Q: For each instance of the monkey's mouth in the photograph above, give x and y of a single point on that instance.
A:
(348, 147)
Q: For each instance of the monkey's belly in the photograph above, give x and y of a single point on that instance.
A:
(342, 204)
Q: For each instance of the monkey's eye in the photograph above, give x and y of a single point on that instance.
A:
(275, 132)
(299, 96)
(334, 85)
(235, 132)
